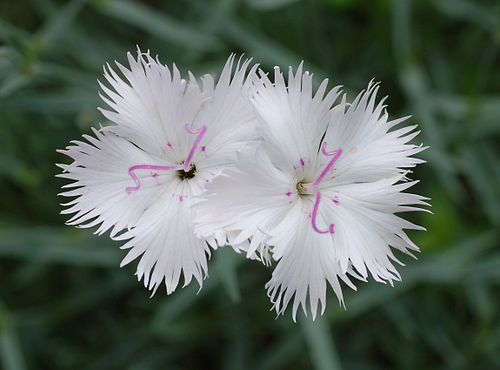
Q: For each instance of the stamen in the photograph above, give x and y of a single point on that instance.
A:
(336, 154)
(146, 167)
(201, 132)
(183, 175)
(331, 228)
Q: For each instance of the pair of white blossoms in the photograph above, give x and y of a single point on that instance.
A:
(269, 167)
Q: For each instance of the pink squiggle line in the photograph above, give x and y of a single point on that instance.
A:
(146, 167)
(336, 154)
(331, 228)
(201, 132)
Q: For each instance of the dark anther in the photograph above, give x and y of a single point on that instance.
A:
(183, 175)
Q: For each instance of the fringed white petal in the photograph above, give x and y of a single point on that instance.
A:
(165, 242)
(307, 263)
(100, 177)
(245, 202)
(366, 225)
(372, 150)
(227, 113)
(292, 119)
(151, 103)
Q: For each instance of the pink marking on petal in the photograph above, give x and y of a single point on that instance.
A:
(207, 180)
(331, 228)
(336, 154)
(131, 172)
(295, 167)
(203, 148)
(288, 193)
(201, 132)
(290, 202)
(335, 201)
(155, 175)
(169, 145)
(181, 198)
(302, 163)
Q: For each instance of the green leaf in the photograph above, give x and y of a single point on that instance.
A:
(46, 245)
(159, 24)
(10, 349)
(59, 22)
(269, 4)
(226, 263)
(319, 339)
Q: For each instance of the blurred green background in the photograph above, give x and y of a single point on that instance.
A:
(65, 303)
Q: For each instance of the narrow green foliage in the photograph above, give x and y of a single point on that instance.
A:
(65, 303)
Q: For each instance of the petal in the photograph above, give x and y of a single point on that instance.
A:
(245, 201)
(372, 149)
(151, 104)
(259, 203)
(292, 120)
(307, 264)
(366, 225)
(165, 241)
(228, 114)
(99, 172)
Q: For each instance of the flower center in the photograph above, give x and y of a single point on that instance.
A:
(183, 175)
(184, 170)
(303, 189)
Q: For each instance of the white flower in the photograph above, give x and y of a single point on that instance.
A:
(320, 193)
(140, 177)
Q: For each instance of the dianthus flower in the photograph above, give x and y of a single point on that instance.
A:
(320, 194)
(140, 176)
